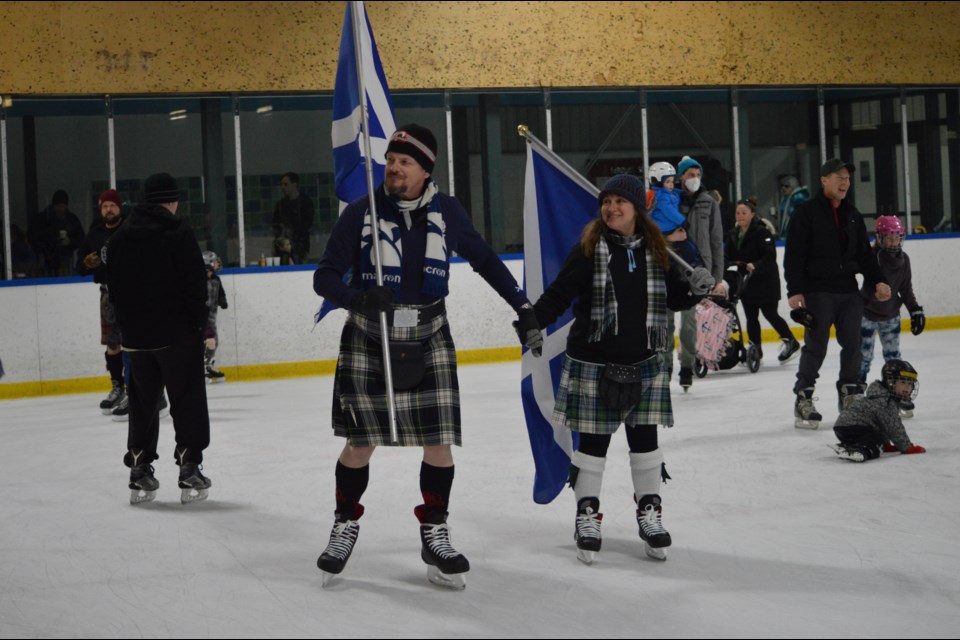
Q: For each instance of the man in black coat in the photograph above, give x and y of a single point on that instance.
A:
(89, 262)
(158, 282)
(826, 248)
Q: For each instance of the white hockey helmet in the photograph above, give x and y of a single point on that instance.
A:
(212, 261)
(660, 171)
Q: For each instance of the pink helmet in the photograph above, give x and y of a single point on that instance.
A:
(889, 226)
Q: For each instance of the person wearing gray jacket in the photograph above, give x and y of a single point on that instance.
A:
(705, 229)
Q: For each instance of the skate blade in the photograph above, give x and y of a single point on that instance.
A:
(800, 423)
(125, 418)
(327, 577)
(192, 495)
(843, 454)
(108, 412)
(164, 413)
(586, 557)
(139, 496)
(656, 554)
(905, 413)
(455, 581)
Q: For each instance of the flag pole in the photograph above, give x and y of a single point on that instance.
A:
(551, 156)
(357, 7)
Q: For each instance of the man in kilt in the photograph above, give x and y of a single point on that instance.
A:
(419, 228)
(617, 366)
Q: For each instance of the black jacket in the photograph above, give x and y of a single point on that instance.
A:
(574, 284)
(822, 256)
(157, 279)
(757, 247)
(98, 236)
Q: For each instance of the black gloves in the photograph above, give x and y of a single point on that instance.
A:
(801, 316)
(372, 301)
(917, 321)
(528, 330)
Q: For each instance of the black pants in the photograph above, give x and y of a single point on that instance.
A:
(752, 310)
(844, 311)
(866, 439)
(180, 369)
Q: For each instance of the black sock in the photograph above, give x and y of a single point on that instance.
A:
(351, 483)
(115, 365)
(435, 485)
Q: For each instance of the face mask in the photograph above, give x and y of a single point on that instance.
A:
(692, 184)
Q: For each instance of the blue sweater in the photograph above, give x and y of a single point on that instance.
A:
(343, 253)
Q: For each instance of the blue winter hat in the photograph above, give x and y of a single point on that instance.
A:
(626, 186)
(685, 163)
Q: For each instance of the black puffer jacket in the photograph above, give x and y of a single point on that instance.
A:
(157, 279)
(822, 256)
(757, 247)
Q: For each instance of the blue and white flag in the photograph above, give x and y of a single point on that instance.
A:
(350, 171)
(557, 204)
(348, 161)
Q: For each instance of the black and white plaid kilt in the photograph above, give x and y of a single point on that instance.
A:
(579, 407)
(427, 415)
(109, 329)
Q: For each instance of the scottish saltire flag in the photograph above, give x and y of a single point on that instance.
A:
(350, 170)
(557, 204)
(349, 165)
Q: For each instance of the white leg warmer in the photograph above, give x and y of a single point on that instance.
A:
(589, 475)
(645, 469)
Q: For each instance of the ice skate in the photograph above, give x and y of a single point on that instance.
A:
(343, 537)
(121, 411)
(164, 409)
(848, 452)
(193, 484)
(586, 531)
(113, 399)
(212, 374)
(652, 533)
(446, 567)
(143, 485)
(847, 394)
(805, 414)
(906, 408)
(686, 378)
(788, 351)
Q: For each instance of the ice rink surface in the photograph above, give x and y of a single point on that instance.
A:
(773, 535)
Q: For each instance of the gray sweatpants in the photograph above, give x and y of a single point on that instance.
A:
(844, 311)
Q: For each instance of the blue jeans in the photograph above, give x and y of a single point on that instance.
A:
(889, 331)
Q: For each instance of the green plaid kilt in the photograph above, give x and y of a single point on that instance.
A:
(579, 407)
(427, 415)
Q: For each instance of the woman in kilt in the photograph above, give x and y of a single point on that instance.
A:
(419, 228)
(620, 282)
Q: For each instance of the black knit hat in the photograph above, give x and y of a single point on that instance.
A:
(161, 188)
(625, 186)
(417, 142)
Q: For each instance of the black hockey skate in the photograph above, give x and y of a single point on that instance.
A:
(586, 531)
(343, 537)
(143, 485)
(805, 414)
(847, 394)
(193, 484)
(906, 408)
(788, 351)
(445, 565)
(122, 410)
(113, 399)
(652, 532)
(212, 374)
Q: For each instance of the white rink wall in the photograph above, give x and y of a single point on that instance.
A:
(52, 331)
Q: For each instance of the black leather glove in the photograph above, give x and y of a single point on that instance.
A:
(372, 301)
(528, 330)
(917, 321)
(701, 281)
(802, 316)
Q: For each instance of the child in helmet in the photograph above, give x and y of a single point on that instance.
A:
(216, 298)
(884, 317)
(666, 213)
(872, 421)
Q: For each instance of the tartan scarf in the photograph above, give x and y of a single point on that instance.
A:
(603, 307)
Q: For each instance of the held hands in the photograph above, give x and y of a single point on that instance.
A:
(917, 321)
(701, 281)
(372, 301)
(91, 260)
(883, 292)
(528, 330)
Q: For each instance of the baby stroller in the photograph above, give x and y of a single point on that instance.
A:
(717, 323)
